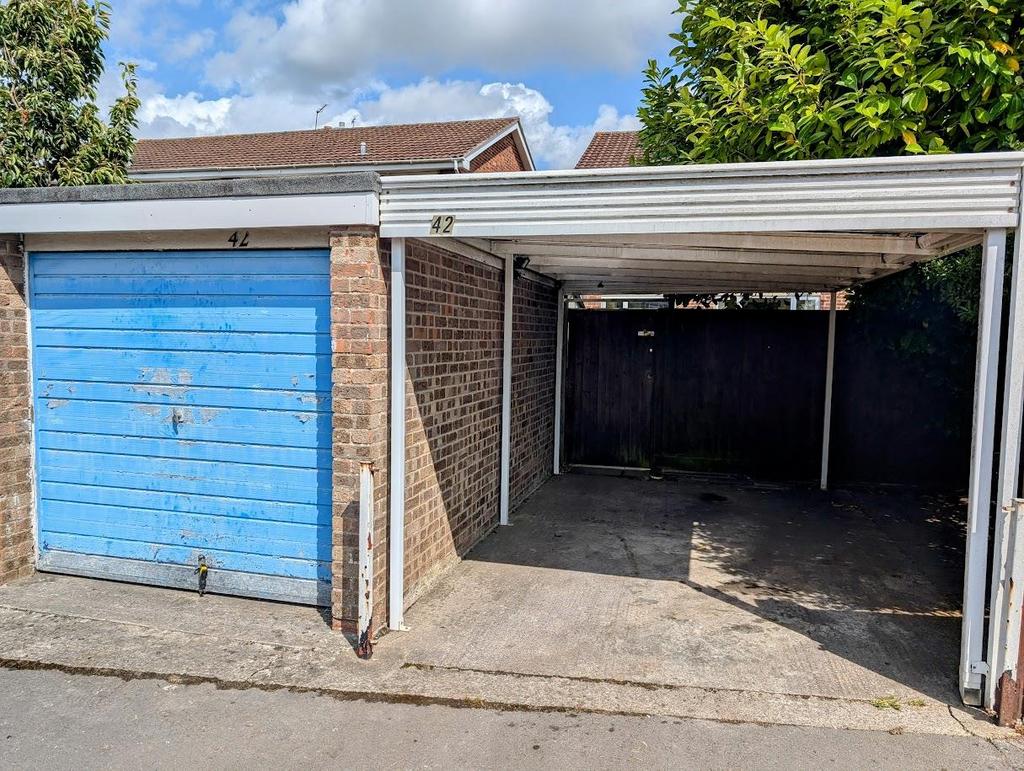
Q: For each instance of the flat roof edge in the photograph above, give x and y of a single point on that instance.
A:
(248, 187)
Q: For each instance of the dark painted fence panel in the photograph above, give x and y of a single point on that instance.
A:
(744, 391)
(741, 391)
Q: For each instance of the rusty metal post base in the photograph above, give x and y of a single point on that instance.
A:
(1008, 701)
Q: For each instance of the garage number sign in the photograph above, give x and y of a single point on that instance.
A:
(239, 239)
(442, 225)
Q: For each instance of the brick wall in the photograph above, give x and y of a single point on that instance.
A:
(359, 334)
(16, 547)
(842, 301)
(534, 323)
(503, 155)
(454, 308)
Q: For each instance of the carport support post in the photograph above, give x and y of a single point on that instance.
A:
(559, 353)
(972, 664)
(506, 390)
(830, 362)
(1008, 544)
(396, 539)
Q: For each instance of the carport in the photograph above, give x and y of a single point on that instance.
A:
(234, 342)
(798, 226)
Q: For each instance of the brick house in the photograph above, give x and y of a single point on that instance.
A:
(419, 148)
(611, 150)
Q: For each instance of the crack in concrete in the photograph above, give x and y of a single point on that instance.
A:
(376, 697)
(645, 685)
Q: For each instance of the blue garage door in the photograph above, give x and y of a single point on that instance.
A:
(182, 404)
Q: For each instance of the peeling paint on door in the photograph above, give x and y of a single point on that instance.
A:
(189, 429)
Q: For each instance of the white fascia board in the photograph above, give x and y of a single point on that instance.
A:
(514, 129)
(888, 195)
(186, 214)
(980, 161)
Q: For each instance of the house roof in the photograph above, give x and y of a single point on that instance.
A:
(326, 147)
(611, 150)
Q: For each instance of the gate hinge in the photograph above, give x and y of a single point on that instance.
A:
(979, 668)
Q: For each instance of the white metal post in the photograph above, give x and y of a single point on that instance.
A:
(506, 391)
(1007, 553)
(559, 346)
(830, 361)
(972, 664)
(364, 646)
(396, 540)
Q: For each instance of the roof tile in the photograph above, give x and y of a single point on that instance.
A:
(611, 150)
(321, 147)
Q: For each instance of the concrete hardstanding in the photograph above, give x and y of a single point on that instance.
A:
(106, 723)
(16, 542)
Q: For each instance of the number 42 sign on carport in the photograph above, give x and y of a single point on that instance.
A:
(183, 419)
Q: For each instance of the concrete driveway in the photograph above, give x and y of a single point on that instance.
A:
(680, 599)
(696, 583)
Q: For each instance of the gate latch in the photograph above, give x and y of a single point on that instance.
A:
(201, 570)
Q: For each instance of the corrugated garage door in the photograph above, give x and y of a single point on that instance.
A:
(183, 413)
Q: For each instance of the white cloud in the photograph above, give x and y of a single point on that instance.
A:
(189, 45)
(336, 41)
(558, 146)
(553, 145)
(188, 113)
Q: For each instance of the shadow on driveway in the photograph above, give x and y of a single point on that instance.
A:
(711, 583)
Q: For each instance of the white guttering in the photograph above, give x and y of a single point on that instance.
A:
(506, 391)
(1005, 620)
(234, 172)
(972, 663)
(559, 375)
(396, 537)
(830, 363)
(890, 195)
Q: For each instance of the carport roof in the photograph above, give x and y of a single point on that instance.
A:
(786, 226)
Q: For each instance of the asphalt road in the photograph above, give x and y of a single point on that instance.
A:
(54, 721)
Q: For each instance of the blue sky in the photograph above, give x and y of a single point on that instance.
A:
(568, 67)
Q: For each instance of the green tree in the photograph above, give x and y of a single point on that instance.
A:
(794, 79)
(51, 132)
(760, 80)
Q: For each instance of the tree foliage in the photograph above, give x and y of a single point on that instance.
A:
(51, 132)
(759, 80)
(795, 79)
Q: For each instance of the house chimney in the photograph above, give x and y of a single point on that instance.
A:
(362, 148)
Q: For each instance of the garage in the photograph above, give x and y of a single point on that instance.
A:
(183, 418)
(436, 323)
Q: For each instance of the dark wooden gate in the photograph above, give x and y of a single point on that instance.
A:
(744, 392)
(697, 390)
(610, 387)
